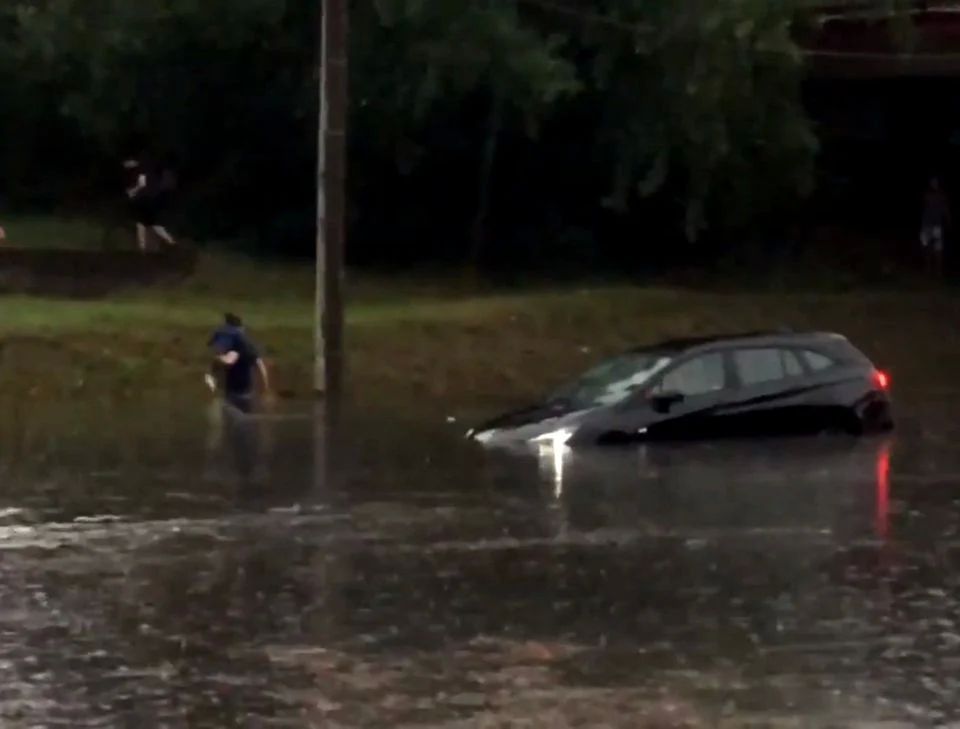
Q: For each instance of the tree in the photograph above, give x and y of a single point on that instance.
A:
(703, 95)
(690, 106)
(423, 58)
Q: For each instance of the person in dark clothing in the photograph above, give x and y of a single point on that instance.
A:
(934, 222)
(148, 195)
(236, 358)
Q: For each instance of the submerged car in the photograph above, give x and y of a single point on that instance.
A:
(768, 383)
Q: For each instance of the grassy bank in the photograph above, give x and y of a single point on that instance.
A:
(44, 231)
(436, 347)
(439, 346)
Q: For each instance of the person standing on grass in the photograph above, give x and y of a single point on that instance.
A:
(935, 220)
(148, 193)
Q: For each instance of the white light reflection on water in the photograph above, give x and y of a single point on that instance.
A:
(553, 459)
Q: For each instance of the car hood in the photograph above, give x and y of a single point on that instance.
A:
(520, 426)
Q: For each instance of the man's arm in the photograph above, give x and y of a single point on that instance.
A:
(228, 358)
(141, 183)
(213, 375)
(264, 374)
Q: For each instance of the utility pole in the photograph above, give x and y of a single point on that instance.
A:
(331, 198)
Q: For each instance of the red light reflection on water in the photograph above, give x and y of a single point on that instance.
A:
(883, 491)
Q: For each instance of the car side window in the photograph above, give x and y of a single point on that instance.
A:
(698, 376)
(791, 363)
(757, 366)
(816, 361)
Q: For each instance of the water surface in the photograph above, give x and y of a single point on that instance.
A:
(185, 571)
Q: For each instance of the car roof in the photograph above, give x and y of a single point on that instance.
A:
(768, 338)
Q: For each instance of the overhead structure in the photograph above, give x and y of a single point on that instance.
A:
(869, 40)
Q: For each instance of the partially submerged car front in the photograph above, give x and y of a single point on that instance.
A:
(575, 413)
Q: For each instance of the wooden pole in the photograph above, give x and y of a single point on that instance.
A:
(331, 198)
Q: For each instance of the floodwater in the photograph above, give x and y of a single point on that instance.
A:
(179, 569)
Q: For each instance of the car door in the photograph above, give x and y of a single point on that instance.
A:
(770, 392)
(701, 382)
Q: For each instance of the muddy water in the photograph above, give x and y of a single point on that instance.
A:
(177, 569)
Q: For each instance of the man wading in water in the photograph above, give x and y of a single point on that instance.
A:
(235, 359)
(232, 372)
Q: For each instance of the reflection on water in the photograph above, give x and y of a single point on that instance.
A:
(290, 574)
(883, 490)
(725, 485)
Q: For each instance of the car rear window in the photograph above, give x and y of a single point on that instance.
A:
(817, 361)
(791, 363)
(756, 366)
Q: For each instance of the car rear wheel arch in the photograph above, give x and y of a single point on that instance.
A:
(875, 415)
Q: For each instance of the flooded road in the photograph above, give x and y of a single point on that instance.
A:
(189, 571)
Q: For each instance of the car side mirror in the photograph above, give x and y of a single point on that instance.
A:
(664, 401)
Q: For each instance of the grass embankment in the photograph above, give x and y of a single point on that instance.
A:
(436, 347)
(431, 347)
(44, 232)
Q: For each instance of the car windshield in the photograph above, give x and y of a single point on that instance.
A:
(613, 381)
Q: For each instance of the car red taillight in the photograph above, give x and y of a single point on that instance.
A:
(882, 379)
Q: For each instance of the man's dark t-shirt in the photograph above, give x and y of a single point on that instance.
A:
(239, 377)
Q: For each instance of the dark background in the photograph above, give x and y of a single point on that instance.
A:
(234, 113)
